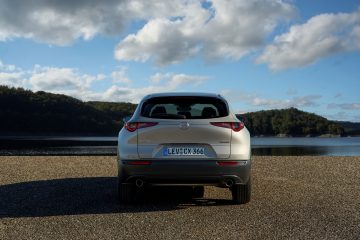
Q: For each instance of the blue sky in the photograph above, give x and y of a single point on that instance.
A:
(261, 54)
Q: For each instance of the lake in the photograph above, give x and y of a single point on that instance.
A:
(261, 146)
(346, 146)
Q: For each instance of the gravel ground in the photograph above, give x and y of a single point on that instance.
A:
(75, 198)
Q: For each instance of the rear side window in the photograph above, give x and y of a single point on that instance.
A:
(184, 107)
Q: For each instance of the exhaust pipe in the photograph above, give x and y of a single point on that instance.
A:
(229, 182)
(139, 183)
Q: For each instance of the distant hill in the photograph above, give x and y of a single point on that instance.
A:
(351, 128)
(23, 112)
(289, 122)
(116, 111)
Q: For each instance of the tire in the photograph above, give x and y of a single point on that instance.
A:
(125, 193)
(241, 194)
(198, 192)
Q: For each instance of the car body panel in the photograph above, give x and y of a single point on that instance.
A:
(152, 141)
(187, 171)
(148, 144)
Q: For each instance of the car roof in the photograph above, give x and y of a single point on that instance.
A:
(182, 94)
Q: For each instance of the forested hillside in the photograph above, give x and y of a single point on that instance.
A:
(116, 111)
(291, 122)
(351, 128)
(23, 112)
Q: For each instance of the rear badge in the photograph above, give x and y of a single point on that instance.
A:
(184, 125)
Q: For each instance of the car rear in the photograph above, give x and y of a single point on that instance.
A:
(183, 139)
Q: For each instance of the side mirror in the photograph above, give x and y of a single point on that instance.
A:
(126, 119)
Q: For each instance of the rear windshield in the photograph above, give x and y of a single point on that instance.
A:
(184, 107)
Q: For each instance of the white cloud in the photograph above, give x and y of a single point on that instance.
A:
(8, 67)
(161, 39)
(343, 116)
(319, 37)
(169, 82)
(175, 80)
(180, 29)
(241, 26)
(119, 76)
(14, 79)
(11, 75)
(303, 101)
(158, 77)
(58, 79)
(344, 106)
(269, 103)
(228, 29)
(70, 81)
(61, 22)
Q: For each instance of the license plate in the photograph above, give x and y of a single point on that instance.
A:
(184, 151)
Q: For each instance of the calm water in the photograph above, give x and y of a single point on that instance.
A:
(349, 146)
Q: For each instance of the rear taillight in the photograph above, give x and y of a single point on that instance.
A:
(235, 126)
(139, 163)
(227, 163)
(232, 163)
(133, 126)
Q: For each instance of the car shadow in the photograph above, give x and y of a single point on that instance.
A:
(96, 195)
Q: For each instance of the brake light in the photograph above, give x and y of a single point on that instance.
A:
(232, 163)
(227, 163)
(139, 163)
(133, 126)
(235, 126)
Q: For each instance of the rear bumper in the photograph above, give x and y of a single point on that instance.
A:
(185, 172)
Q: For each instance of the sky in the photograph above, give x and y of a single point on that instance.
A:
(258, 54)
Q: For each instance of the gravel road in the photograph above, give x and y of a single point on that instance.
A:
(75, 198)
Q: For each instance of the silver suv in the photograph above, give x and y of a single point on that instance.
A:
(189, 139)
